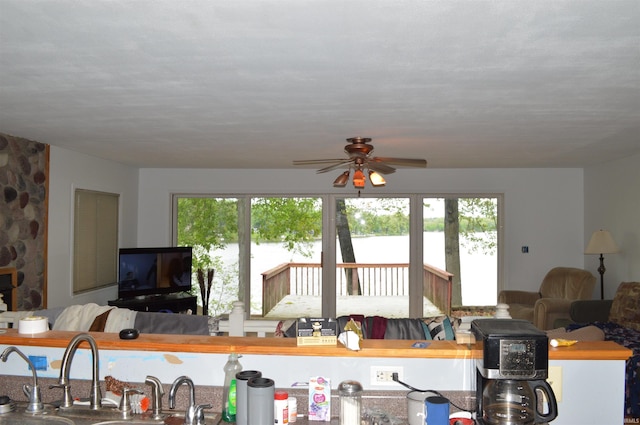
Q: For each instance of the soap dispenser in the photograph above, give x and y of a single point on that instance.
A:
(232, 367)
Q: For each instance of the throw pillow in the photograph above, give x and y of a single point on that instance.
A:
(441, 327)
(625, 309)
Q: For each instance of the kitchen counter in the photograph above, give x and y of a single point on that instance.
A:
(378, 348)
(585, 368)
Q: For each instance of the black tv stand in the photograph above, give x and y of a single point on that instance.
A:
(176, 303)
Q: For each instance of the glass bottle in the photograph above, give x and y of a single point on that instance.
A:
(350, 393)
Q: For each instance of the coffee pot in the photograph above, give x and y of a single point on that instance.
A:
(517, 402)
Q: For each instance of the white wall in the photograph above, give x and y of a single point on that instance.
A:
(69, 171)
(543, 207)
(612, 202)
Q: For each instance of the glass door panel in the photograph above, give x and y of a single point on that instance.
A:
(210, 226)
(286, 247)
(372, 256)
(461, 237)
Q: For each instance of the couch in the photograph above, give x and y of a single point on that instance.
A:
(559, 288)
(619, 319)
(97, 318)
(377, 327)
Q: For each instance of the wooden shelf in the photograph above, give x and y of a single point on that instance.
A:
(601, 350)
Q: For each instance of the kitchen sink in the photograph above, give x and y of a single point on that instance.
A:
(28, 419)
(123, 422)
(14, 413)
(81, 415)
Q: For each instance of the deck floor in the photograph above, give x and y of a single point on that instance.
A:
(293, 306)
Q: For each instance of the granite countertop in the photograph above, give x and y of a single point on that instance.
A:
(334, 421)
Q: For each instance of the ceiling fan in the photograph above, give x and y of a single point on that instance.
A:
(360, 159)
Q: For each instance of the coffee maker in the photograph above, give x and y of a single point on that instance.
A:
(511, 386)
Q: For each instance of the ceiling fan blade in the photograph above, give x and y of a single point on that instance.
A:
(318, 161)
(340, 164)
(380, 167)
(407, 162)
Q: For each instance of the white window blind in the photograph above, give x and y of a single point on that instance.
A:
(95, 256)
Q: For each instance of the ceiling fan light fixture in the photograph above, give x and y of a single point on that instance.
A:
(358, 179)
(361, 161)
(342, 179)
(376, 179)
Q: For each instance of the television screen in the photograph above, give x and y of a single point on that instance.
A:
(151, 271)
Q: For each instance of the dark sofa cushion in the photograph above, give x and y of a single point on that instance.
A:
(587, 311)
(171, 323)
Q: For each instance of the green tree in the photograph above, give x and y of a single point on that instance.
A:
(452, 247)
(479, 222)
(295, 222)
(470, 223)
(346, 246)
(206, 224)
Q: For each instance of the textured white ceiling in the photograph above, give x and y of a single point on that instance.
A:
(259, 83)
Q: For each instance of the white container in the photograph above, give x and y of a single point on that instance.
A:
(281, 407)
(293, 409)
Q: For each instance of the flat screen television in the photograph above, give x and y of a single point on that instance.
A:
(154, 271)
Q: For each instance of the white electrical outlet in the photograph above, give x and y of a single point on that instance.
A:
(383, 375)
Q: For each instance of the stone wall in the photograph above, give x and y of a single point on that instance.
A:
(24, 187)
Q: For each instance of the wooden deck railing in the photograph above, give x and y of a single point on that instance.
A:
(437, 287)
(391, 279)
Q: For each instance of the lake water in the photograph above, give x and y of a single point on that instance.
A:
(478, 270)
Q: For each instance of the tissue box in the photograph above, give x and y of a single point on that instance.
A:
(319, 399)
(316, 331)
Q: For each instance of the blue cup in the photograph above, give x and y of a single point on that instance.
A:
(436, 410)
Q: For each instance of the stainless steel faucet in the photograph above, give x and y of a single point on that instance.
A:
(33, 393)
(194, 414)
(156, 395)
(95, 398)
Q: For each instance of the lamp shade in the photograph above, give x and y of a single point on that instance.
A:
(358, 179)
(376, 179)
(342, 179)
(601, 243)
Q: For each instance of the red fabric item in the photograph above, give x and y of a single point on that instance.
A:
(379, 327)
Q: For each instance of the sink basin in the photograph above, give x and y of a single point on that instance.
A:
(83, 415)
(27, 419)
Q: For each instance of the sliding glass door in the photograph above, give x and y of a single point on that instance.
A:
(275, 254)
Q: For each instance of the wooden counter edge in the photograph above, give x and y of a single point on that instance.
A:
(590, 350)
(600, 350)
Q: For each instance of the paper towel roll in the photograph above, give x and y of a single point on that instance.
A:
(33, 325)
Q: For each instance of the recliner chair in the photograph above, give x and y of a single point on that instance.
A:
(559, 288)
